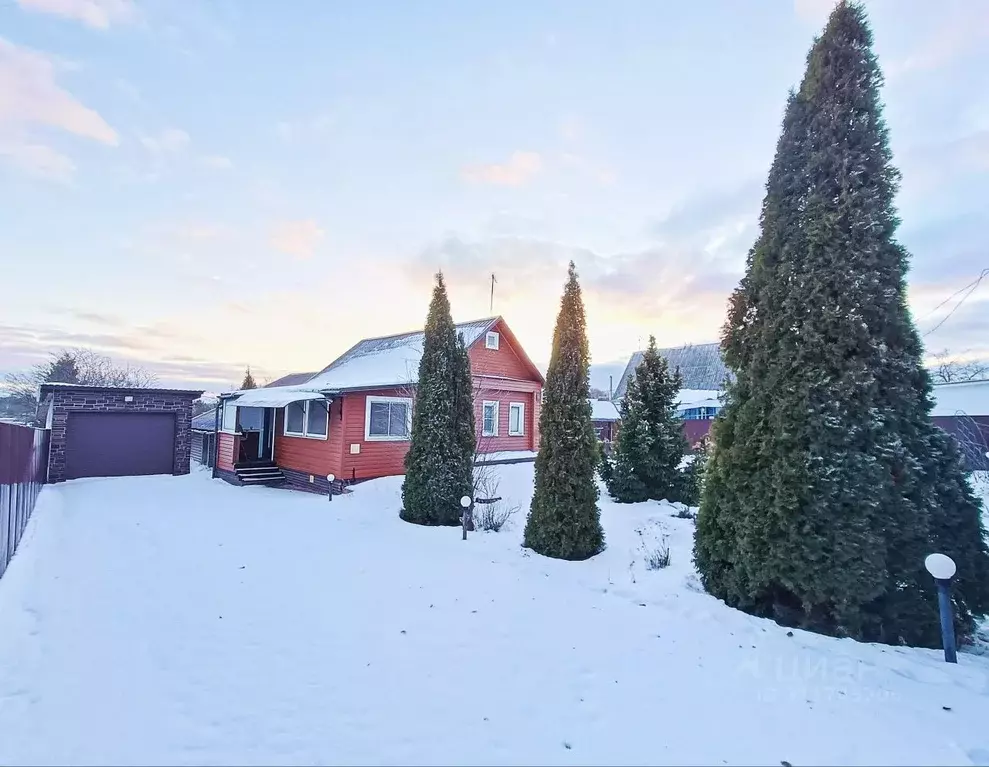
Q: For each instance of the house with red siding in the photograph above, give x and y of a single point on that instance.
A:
(352, 419)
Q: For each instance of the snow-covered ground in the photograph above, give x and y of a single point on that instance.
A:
(178, 620)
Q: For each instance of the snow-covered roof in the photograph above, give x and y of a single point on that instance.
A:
(386, 361)
(602, 410)
(292, 379)
(700, 365)
(276, 396)
(691, 398)
(961, 398)
(204, 421)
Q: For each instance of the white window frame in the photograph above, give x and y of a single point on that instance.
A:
(407, 401)
(304, 434)
(497, 407)
(492, 340)
(232, 429)
(520, 406)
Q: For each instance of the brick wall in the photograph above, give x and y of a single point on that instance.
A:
(105, 400)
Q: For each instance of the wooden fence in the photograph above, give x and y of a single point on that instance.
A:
(23, 469)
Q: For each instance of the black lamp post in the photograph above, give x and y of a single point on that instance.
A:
(942, 567)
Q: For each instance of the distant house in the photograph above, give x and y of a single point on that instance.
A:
(202, 448)
(605, 417)
(704, 374)
(352, 419)
(962, 410)
(701, 367)
(292, 379)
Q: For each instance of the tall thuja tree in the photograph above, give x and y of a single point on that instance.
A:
(440, 463)
(564, 521)
(828, 482)
(650, 444)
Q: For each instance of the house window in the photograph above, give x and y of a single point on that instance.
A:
(387, 418)
(492, 340)
(251, 418)
(516, 419)
(308, 418)
(229, 422)
(489, 419)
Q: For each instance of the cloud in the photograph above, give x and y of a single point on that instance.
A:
(99, 14)
(520, 169)
(296, 238)
(217, 162)
(30, 99)
(38, 160)
(816, 11)
(306, 127)
(961, 30)
(203, 232)
(164, 149)
(603, 174)
(169, 141)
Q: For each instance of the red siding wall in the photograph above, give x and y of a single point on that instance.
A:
(226, 446)
(308, 455)
(376, 458)
(503, 362)
(484, 392)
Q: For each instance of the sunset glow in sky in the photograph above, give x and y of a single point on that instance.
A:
(199, 185)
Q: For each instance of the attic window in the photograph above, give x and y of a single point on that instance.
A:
(492, 340)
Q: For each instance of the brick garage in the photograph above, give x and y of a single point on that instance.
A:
(105, 431)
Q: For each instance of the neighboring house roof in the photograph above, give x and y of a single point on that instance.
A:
(700, 365)
(292, 379)
(388, 361)
(204, 421)
(961, 398)
(602, 410)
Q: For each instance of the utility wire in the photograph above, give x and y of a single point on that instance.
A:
(967, 290)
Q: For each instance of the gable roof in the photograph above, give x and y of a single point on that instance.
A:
(290, 380)
(701, 366)
(204, 421)
(394, 360)
(603, 410)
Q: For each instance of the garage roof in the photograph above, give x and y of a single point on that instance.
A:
(46, 388)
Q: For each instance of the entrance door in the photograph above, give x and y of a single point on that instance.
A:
(266, 445)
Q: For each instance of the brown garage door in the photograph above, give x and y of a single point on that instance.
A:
(119, 444)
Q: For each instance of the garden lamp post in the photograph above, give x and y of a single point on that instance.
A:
(465, 502)
(329, 479)
(942, 567)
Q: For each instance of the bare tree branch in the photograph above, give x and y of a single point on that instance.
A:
(946, 369)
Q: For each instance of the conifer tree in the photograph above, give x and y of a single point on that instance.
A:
(828, 482)
(248, 382)
(564, 521)
(650, 444)
(62, 369)
(440, 463)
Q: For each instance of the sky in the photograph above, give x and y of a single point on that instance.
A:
(203, 185)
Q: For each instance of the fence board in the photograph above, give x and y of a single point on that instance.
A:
(23, 470)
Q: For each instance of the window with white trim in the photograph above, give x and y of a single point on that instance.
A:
(229, 421)
(516, 419)
(489, 419)
(387, 418)
(492, 340)
(307, 418)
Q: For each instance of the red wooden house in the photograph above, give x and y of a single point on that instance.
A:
(352, 419)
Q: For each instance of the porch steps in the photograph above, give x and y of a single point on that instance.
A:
(259, 474)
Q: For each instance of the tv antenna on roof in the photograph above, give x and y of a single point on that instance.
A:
(493, 281)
